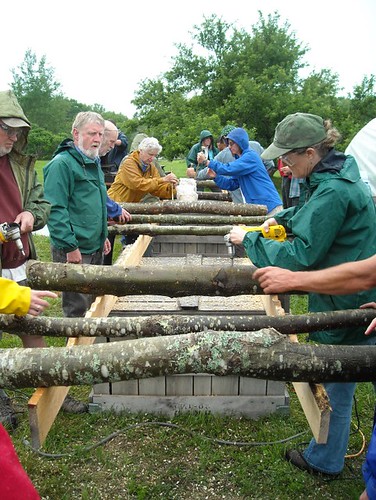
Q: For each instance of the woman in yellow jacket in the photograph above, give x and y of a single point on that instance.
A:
(138, 175)
(21, 300)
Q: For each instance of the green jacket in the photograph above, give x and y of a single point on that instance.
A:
(74, 184)
(335, 222)
(196, 148)
(23, 167)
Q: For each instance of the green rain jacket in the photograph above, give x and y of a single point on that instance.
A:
(335, 222)
(23, 167)
(196, 148)
(74, 184)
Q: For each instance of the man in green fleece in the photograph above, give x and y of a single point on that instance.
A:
(74, 184)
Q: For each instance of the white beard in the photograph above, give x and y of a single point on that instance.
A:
(90, 153)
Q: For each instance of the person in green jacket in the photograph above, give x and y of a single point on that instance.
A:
(205, 145)
(74, 185)
(334, 222)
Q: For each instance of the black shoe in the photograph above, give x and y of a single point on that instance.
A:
(296, 458)
(71, 405)
(8, 415)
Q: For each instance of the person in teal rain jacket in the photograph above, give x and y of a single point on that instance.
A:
(74, 185)
(246, 172)
(209, 149)
(334, 222)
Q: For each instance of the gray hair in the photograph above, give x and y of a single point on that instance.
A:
(150, 144)
(87, 117)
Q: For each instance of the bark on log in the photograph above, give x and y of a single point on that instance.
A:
(164, 325)
(263, 354)
(203, 195)
(171, 281)
(181, 219)
(208, 183)
(195, 207)
(153, 230)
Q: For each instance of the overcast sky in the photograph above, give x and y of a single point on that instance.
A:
(100, 52)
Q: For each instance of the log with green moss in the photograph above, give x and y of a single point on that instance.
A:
(264, 354)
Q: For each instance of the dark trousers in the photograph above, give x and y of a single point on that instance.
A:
(77, 304)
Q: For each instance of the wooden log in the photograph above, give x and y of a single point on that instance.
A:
(221, 196)
(154, 229)
(208, 183)
(181, 219)
(171, 281)
(264, 354)
(163, 325)
(194, 207)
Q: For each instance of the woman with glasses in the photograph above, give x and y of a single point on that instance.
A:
(334, 222)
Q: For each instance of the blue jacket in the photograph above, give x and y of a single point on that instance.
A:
(247, 172)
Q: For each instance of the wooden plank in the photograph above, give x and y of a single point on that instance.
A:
(202, 385)
(312, 397)
(45, 403)
(248, 406)
(179, 385)
(225, 386)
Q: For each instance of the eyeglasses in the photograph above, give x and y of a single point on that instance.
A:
(286, 161)
(9, 130)
(285, 157)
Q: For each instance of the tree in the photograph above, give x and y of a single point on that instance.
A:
(36, 89)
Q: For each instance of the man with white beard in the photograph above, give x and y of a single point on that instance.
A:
(74, 185)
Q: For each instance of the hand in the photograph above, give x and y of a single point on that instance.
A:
(171, 178)
(124, 216)
(267, 223)
(26, 222)
(286, 170)
(211, 173)
(37, 304)
(191, 173)
(107, 247)
(236, 235)
(274, 279)
(372, 325)
(74, 257)
(201, 158)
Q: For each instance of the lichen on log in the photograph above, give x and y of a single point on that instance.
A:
(262, 354)
(171, 281)
(203, 207)
(163, 325)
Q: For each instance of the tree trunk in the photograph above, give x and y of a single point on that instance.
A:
(263, 354)
(164, 325)
(195, 207)
(153, 230)
(203, 195)
(171, 281)
(181, 219)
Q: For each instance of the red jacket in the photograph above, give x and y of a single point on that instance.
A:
(14, 482)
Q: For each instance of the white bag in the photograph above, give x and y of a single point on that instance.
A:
(186, 190)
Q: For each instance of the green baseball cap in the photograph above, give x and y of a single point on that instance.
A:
(226, 130)
(299, 130)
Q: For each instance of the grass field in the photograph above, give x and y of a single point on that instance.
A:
(149, 461)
